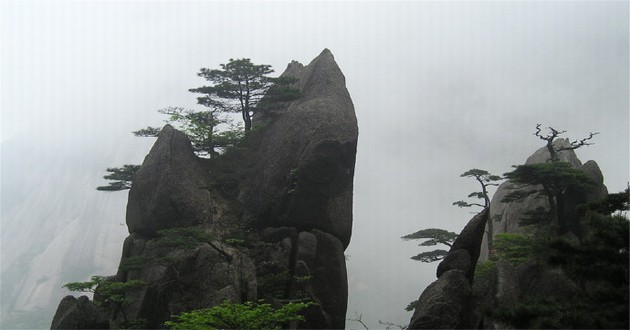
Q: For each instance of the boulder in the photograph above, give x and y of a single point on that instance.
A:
(458, 260)
(179, 280)
(468, 240)
(328, 284)
(592, 170)
(542, 154)
(170, 189)
(444, 304)
(81, 313)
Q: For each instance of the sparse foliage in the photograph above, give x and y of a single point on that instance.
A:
(553, 134)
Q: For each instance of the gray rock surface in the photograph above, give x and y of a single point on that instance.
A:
(506, 216)
(592, 170)
(542, 154)
(79, 313)
(444, 303)
(184, 279)
(305, 159)
(293, 211)
(468, 240)
(170, 188)
(329, 285)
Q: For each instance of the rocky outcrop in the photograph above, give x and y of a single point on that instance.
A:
(170, 188)
(525, 281)
(80, 313)
(446, 303)
(277, 232)
(305, 159)
(302, 180)
(507, 215)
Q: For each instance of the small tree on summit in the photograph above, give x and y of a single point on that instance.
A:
(201, 128)
(553, 134)
(485, 179)
(240, 85)
(555, 178)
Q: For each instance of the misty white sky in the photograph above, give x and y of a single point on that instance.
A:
(438, 88)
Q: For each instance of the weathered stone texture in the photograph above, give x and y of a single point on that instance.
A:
(79, 313)
(292, 196)
(170, 188)
(443, 304)
(506, 215)
(305, 160)
(446, 303)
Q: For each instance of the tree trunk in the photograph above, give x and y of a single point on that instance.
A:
(247, 119)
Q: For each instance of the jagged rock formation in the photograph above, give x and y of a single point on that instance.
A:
(446, 303)
(80, 313)
(510, 284)
(273, 225)
(506, 216)
(305, 160)
(170, 189)
(450, 302)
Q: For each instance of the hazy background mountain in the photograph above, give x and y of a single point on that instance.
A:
(438, 87)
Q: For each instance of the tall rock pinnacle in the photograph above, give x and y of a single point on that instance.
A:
(305, 162)
(289, 206)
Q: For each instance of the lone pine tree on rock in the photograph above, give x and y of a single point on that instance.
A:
(241, 86)
(554, 178)
(433, 236)
(553, 134)
(485, 180)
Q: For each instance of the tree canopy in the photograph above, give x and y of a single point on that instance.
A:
(553, 179)
(208, 133)
(432, 236)
(240, 86)
(121, 177)
(485, 180)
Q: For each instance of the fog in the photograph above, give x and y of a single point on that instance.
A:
(438, 88)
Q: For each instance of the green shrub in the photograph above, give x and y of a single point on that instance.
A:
(249, 315)
(515, 248)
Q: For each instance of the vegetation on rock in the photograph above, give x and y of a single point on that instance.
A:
(433, 236)
(595, 265)
(239, 86)
(248, 315)
(243, 87)
(121, 177)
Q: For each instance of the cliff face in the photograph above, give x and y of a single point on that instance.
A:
(275, 230)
